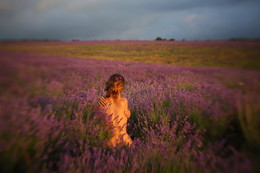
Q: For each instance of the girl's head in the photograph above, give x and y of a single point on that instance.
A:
(115, 85)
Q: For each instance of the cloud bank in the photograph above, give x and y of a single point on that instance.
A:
(129, 19)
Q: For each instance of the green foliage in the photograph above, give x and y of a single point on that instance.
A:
(218, 127)
(187, 86)
(22, 154)
(249, 119)
(201, 121)
(215, 127)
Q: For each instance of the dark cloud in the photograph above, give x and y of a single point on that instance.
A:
(135, 19)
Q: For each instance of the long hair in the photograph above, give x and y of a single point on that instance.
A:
(115, 85)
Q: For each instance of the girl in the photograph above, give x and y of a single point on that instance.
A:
(116, 111)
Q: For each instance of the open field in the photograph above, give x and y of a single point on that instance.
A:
(188, 113)
(245, 55)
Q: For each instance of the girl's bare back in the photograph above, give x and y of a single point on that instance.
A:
(117, 110)
(117, 113)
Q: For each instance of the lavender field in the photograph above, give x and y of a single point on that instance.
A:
(183, 118)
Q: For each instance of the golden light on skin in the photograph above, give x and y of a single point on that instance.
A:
(116, 106)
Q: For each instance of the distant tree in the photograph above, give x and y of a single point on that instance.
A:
(172, 39)
(159, 39)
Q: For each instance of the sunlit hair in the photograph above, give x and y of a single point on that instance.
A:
(114, 85)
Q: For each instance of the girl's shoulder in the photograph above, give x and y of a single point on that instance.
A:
(124, 100)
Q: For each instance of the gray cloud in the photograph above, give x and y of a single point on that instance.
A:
(116, 19)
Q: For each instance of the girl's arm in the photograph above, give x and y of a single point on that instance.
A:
(127, 110)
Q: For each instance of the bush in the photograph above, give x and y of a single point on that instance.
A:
(160, 39)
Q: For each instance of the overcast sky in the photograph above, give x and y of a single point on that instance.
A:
(129, 19)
